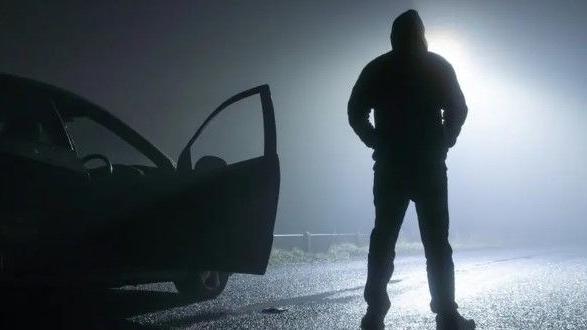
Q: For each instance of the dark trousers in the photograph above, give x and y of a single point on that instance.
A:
(393, 189)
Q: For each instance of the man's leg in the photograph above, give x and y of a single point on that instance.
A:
(433, 220)
(391, 203)
(432, 209)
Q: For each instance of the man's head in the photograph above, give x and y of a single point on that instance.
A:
(407, 33)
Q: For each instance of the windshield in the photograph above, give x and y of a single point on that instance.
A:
(90, 137)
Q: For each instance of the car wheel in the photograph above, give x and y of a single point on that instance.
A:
(202, 285)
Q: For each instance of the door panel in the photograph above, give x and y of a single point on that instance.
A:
(225, 220)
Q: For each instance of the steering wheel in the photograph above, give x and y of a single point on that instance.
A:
(103, 158)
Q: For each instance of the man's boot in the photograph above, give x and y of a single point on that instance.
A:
(376, 312)
(453, 321)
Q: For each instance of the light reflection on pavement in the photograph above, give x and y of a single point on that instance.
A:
(500, 289)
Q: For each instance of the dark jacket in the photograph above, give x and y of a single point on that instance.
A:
(408, 88)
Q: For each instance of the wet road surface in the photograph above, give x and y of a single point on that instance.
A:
(500, 289)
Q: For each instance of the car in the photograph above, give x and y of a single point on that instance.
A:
(63, 222)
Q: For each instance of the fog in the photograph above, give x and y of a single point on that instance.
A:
(517, 173)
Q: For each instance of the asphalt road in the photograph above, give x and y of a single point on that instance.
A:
(500, 289)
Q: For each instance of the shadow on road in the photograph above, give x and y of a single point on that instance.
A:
(89, 308)
(81, 308)
(329, 297)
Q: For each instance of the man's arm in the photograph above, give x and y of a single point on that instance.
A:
(359, 107)
(454, 106)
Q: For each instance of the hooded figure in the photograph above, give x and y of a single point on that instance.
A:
(407, 88)
(419, 110)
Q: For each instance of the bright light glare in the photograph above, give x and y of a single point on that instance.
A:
(451, 49)
(448, 45)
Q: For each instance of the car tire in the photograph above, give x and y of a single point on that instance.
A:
(203, 285)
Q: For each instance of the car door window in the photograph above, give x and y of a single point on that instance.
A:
(234, 135)
(90, 137)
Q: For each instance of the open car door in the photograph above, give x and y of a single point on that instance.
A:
(232, 208)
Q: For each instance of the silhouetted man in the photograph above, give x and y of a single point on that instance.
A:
(419, 110)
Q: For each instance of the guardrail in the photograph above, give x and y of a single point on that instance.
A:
(308, 239)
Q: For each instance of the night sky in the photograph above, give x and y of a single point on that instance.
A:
(517, 173)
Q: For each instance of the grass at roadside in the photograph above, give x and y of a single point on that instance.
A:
(348, 251)
(343, 251)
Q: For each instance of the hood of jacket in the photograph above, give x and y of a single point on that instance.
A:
(407, 33)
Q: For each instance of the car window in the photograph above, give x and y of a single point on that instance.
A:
(90, 137)
(30, 118)
(235, 135)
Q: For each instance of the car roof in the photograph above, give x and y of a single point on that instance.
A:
(72, 104)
